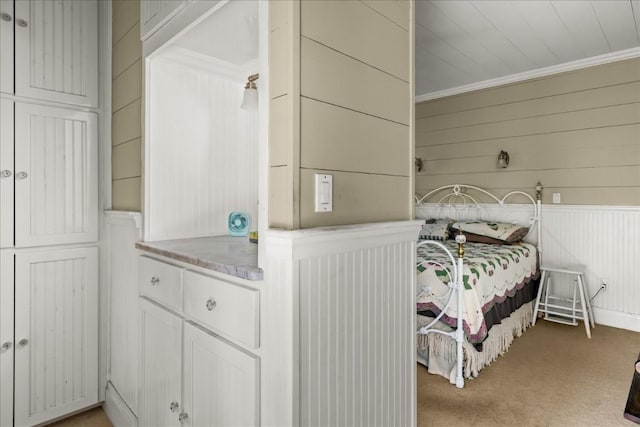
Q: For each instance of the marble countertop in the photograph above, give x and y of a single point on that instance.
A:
(235, 256)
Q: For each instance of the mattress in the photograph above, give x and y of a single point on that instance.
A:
(497, 280)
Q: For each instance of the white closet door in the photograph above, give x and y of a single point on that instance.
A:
(6, 46)
(160, 367)
(56, 333)
(56, 176)
(155, 13)
(6, 173)
(6, 339)
(221, 384)
(56, 50)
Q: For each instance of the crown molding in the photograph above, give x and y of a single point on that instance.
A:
(540, 72)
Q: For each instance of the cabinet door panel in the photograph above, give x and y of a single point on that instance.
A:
(221, 385)
(6, 47)
(160, 366)
(6, 173)
(56, 171)
(56, 330)
(56, 51)
(6, 338)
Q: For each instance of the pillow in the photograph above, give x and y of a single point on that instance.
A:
(500, 231)
(435, 229)
(477, 238)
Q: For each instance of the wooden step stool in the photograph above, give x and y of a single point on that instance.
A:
(564, 310)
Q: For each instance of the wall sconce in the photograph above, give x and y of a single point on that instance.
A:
(250, 97)
(418, 162)
(503, 159)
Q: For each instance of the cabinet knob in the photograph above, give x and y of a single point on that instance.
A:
(23, 342)
(21, 23)
(6, 17)
(155, 281)
(211, 304)
(6, 346)
(174, 406)
(21, 175)
(183, 417)
(5, 173)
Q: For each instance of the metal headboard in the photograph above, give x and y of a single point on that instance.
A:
(463, 196)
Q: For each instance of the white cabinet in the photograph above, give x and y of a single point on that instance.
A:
(49, 50)
(53, 169)
(6, 173)
(6, 339)
(155, 13)
(6, 47)
(48, 197)
(55, 341)
(161, 369)
(220, 382)
(188, 375)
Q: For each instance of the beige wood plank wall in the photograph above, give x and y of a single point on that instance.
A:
(126, 125)
(578, 132)
(341, 103)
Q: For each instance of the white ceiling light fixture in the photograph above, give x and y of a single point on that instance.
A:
(250, 97)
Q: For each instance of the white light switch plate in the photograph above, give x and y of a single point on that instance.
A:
(324, 193)
(556, 197)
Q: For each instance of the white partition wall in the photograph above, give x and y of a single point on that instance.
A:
(123, 230)
(340, 326)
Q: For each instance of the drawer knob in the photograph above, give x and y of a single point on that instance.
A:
(174, 406)
(6, 17)
(183, 417)
(211, 304)
(5, 173)
(6, 346)
(22, 23)
(23, 342)
(155, 281)
(21, 175)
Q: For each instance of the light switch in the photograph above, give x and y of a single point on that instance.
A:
(556, 197)
(324, 193)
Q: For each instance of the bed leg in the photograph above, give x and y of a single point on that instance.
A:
(460, 327)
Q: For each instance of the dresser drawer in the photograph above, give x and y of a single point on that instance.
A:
(161, 282)
(224, 308)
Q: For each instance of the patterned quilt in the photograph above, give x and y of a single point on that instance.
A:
(492, 273)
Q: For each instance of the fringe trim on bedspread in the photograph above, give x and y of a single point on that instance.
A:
(500, 337)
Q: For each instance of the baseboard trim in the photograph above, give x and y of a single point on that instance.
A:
(117, 410)
(617, 319)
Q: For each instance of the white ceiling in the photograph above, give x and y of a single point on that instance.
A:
(462, 43)
(230, 34)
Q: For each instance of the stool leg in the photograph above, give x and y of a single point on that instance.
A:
(547, 291)
(537, 304)
(573, 303)
(585, 313)
(589, 308)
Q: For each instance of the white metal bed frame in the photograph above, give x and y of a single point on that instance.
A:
(457, 197)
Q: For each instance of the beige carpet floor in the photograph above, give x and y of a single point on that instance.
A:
(92, 418)
(551, 376)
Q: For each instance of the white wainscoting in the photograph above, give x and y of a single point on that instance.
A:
(602, 238)
(123, 229)
(605, 240)
(201, 149)
(340, 338)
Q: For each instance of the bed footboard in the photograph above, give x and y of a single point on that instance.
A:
(455, 290)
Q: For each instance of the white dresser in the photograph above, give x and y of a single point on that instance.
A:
(199, 334)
